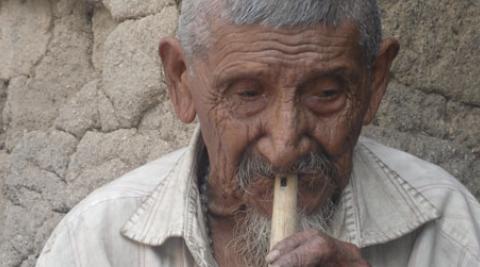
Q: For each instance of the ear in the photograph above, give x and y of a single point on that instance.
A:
(381, 75)
(176, 77)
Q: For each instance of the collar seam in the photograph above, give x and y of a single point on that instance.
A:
(411, 197)
(354, 212)
(128, 228)
(416, 194)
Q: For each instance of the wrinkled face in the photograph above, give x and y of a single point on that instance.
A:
(279, 96)
(277, 101)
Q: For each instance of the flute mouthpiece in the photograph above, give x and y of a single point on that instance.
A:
(284, 211)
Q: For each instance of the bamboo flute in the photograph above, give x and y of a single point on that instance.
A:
(284, 213)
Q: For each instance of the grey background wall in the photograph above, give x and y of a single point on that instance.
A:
(82, 100)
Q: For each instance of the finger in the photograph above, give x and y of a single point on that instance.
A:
(348, 251)
(311, 253)
(289, 244)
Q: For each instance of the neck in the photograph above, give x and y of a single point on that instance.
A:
(222, 234)
(222, 207)
(220, 224)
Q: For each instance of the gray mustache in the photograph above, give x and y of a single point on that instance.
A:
(253, 166)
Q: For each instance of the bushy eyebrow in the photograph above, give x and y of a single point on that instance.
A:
(343, 74)
(336, 72)
(222, 78)
(237, 72)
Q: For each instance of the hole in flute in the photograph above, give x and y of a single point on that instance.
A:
(283, 181)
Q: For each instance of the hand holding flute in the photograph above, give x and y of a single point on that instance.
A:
(308, 248)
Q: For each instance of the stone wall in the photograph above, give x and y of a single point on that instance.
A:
(83, 101)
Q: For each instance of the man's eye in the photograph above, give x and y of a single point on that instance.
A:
(246, 90)
(325, 101)
(249, 94)
(246, 98)
(329, 94)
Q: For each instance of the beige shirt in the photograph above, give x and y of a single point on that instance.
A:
(400, 210)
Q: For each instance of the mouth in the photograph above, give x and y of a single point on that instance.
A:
(314, 170)
(305, 178)
(313, 190)
(252, 184)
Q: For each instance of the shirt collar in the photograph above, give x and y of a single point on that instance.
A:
(378, 205)
(173, 209)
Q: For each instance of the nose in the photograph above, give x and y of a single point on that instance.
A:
(286, 136)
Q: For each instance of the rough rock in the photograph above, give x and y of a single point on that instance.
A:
(80, 113)
(454, 158)
(128, 9)
(432, 127)
(416, 112)
(132, 77)
(3, 98)
(27, 108)
(67, 66)
(108, 118)
(34, 188)
(4, 161)
(89, 109)
(160, 147)
(96, 148)
(102, 25)
(463, 125)
(33, 101)
(163, 119)
(93, 177)
(440, 41)
(101, 157)
(24, 35)
(28, 228)
(47, 152)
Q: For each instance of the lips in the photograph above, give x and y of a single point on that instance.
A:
(310, 181)
(314, 190)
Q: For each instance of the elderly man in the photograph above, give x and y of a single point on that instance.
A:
(279, 87)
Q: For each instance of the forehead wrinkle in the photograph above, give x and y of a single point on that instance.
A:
(285, 43)
(254, 67)
(239, 68)
(266, 59)
(293, 34)
(284, 40)
(231, 51)
(270, 47)
(224, 33)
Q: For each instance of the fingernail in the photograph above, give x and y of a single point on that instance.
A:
(272, 256)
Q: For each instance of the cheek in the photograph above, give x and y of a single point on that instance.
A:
(338, 133)
(226, 139)
(236, 137)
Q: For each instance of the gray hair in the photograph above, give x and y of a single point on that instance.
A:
(196, 15)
